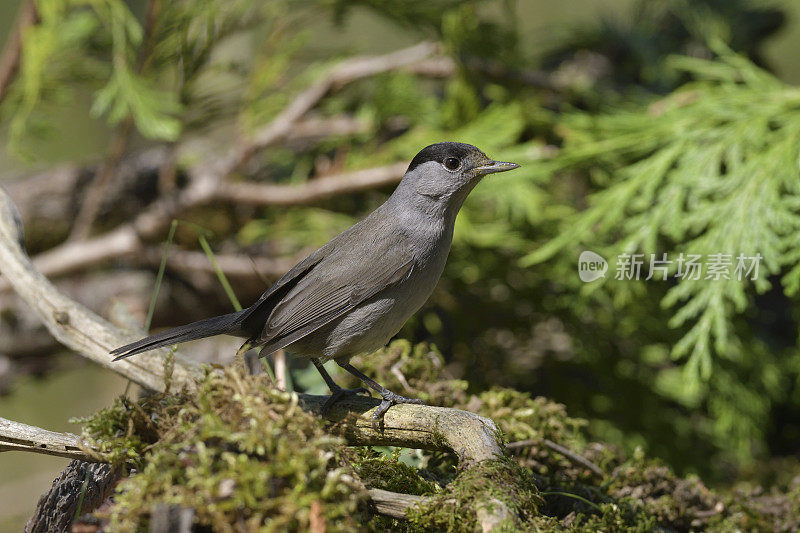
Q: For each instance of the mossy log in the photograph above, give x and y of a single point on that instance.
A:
(472, 437)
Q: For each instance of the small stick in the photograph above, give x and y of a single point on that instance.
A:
(566, 452)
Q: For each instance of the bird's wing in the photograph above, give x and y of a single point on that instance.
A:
(328, 292)
(261, 309)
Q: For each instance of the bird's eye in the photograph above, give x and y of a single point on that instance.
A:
(452, 163)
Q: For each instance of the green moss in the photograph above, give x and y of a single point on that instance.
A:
(455, 509)
(124, 431)
(238, 452)
(521, 417)
(245, 456)
(611, 517)
(380, 471)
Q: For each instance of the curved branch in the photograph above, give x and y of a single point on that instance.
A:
(471, 437)
(341, 74)
(72, 324)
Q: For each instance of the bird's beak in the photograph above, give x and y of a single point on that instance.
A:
(495, 166)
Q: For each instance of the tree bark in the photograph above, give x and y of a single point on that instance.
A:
(79, 489)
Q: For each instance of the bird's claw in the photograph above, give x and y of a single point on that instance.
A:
(338, 395)
(390, 399)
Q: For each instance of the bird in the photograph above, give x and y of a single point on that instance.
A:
(352, 295)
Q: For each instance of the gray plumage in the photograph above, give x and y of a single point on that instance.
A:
(355, 293)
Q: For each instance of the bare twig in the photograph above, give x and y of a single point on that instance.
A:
(342, 74)
(262, 194)
(167, 518)
(281, 369)
(95, 194)
(573, 457)
(12, 52)
(16, 436)
(400, 376)
(324, 128)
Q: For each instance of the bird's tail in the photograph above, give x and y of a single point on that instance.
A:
(230, 324)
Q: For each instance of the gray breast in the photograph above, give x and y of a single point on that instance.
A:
(372, 324)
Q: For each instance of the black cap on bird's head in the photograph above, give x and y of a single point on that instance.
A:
(448, 171)
(459, 157)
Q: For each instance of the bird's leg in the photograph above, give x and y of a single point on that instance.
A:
(389, 398)
(337, 392)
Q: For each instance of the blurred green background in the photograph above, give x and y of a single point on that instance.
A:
(657, 121)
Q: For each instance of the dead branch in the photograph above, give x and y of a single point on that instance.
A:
(16, 436)
(281, 369)
(393, 504)
(342, 74)
(72, 324)
(262, 194)
(471, 437)
(167, 518)
(573, 457)
(325, 128)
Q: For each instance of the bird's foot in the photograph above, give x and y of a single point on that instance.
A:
(340, 394)
(389, 399)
